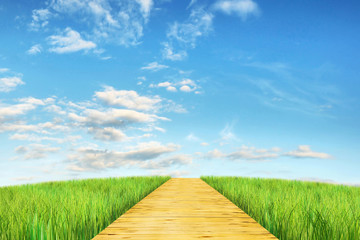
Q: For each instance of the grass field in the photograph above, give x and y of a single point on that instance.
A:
(69, 209)
(295, 209)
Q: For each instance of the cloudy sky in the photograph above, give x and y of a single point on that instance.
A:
(98, 88)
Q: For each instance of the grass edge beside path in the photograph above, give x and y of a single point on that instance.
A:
(76, 209)
(295, 209)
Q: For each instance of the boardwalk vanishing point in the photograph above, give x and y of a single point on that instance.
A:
(184, 208)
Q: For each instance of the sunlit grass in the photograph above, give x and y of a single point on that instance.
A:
(69, 209)
(295, 209)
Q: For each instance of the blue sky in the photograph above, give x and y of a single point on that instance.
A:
(99, 88)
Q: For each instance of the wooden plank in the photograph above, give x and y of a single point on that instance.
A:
(184, 208)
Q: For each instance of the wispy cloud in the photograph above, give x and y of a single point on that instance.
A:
(103, 20)
(36, 151)
(245, 153)
(227, 134)
(24, 178)
(8, 84)
(251, 153)
(9, 80)
(89, 159)
(304, 151)
(154, 66)
(177, 160)
(69, 41)
(185, 34)
(241, 8)
(169, 53)
(288, 91)
(35, 49)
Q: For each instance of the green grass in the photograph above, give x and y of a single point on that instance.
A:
(295, 209)
(69, 209)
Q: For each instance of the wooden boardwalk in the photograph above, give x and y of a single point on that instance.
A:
(184, 208)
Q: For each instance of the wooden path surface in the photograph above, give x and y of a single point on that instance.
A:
(184, 208)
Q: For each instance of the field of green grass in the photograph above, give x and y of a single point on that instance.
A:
(69, 209)
(295, 209)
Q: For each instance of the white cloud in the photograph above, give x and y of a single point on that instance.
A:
(34, 50)
(251, 153)
(204, 144)
(89, 159)
(154, 66)
(69, 41)
(32, 101)
(242, 8)
(3, 70)
(40, 138)
(184, 85)
(145, 7)
(177, 160)
(244, 153)
(17, 127)
(40, 19)
(113, 117)
(107, 134)
(15, 110)
(8, 84)
(36, 151)
(304, 151)
(185, 88)
(174, 174)
(128, 99)
(214, 154)
(171, 89)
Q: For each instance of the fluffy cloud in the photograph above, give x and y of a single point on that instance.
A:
(304, 151)
(8, 84)
(35, 49)
(242, 8)
(69, 41)
(36, 151)
(154, 66)
(214, 154)
(9, 80)
(185, 85)
(107, 134)
(12, 111)
(113, 117)
(128, 99)
(89, 159)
